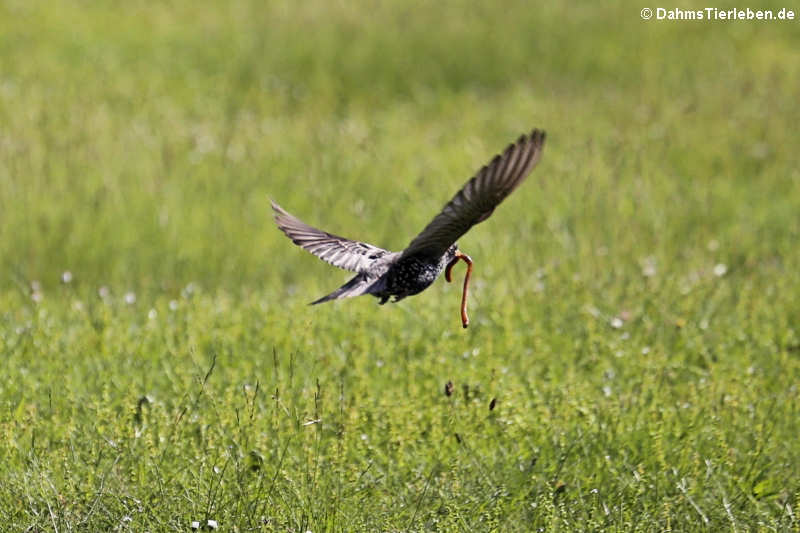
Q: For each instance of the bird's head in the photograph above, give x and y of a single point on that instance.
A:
(451, 253)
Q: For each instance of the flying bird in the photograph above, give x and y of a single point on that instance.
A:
(386, 274)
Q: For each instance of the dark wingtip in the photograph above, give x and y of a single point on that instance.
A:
(538, 136)
(535, 143)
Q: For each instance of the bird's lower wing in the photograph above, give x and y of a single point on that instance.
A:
(476, 201)
(360, 284)
(340, 252)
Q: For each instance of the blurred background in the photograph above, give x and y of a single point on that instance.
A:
(140, 142)
(632, 358)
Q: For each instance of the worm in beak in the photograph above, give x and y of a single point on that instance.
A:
(447, 276)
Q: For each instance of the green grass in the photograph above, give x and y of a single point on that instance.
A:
(635, 303)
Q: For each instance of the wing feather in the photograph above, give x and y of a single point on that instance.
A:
(344, 253)
(476, 201)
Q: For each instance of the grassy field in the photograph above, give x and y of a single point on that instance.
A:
(635, 303)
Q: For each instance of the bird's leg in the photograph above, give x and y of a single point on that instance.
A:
(447, 276)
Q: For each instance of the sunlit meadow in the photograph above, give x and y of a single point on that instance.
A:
(634, 353)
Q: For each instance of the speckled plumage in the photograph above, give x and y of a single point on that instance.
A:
(386, 274)
(412, 275)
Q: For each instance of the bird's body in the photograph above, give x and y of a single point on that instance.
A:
(407, 276)
(386, 274)
(392, 276)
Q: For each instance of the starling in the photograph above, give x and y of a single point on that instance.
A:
(386, 274)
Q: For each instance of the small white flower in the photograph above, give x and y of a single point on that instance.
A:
(130, 298)
(152, 314)
(103, 292)
(173, 305)
(616, 322)
(189, 290)
(66, 277)
(720, 269)
(648, 266)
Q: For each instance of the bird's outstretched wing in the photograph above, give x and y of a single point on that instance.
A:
(476, 201)
(340, 252)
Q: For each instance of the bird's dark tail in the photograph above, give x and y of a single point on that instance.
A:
(357, 286)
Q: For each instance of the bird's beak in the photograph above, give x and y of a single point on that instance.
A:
(447, 276)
